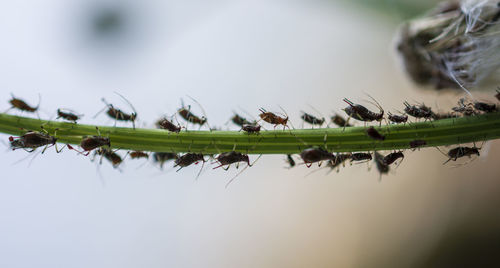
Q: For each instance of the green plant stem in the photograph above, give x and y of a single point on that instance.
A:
(351, 139)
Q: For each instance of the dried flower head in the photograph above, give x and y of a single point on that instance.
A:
(456, 45)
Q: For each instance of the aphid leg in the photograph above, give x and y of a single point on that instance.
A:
(199, 172)
(108, 106)
(232, 179)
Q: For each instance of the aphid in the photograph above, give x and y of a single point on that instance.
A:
(240, 121)
(438, 116)
(421, 111)
(460, 151)
(397, 118)
(485, 107)
(361, 156)
(67, 115)
(190, 117)
(374, 134)
(90, 143)
(110, 155)
(251, 128)
(417, 143)
(188, 159)
(272, 118)
(339, 120)
(339, 159)
(361, 113)
(382, 167)
(312, 155)
(162, 157)
(311, 119)
(164, 123)
(498, 94)
(32, 140)
(290, 161)
(392, 157)
(229, 158)
(465, 109)
(118, 114)
(138, 154)
(22, 105)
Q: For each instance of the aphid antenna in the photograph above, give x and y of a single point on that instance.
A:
(348, 102)
(232, 179)
(313, 171)
(312, 107)
(99, 175)
(26, 157)
(39, 101)
(202, 110)
(199, 172)
(247, 114)
(108, 106)
(443, 153)
(127, 101)
(375, 102)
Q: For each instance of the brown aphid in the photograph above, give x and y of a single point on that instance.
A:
(361, 156)
(438, 116)
(111, 156)
(22, 105)
(118, 114)
(361, 113)
(164, 123)
(187, 115)
(67, 115)
(374, 134)
(31, 140)
(460, 151)
(229, 158)
(339, 159)
(90, 143)
(340, 121)
(420, 111)
(417, 143)
(188, 159)
(138, 154)
(485, 107)
(240, 121)
(397, 118)
(466, 109)
(251, 128)
(311, 119)
(312, 155)
(392, 157)
(162, 157)
(272, 118)
(190, 117)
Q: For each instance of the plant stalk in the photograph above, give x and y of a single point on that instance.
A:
(288, 141)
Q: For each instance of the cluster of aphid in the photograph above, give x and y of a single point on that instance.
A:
(101, 145)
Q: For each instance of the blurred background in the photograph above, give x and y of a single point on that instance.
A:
(62, 210)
